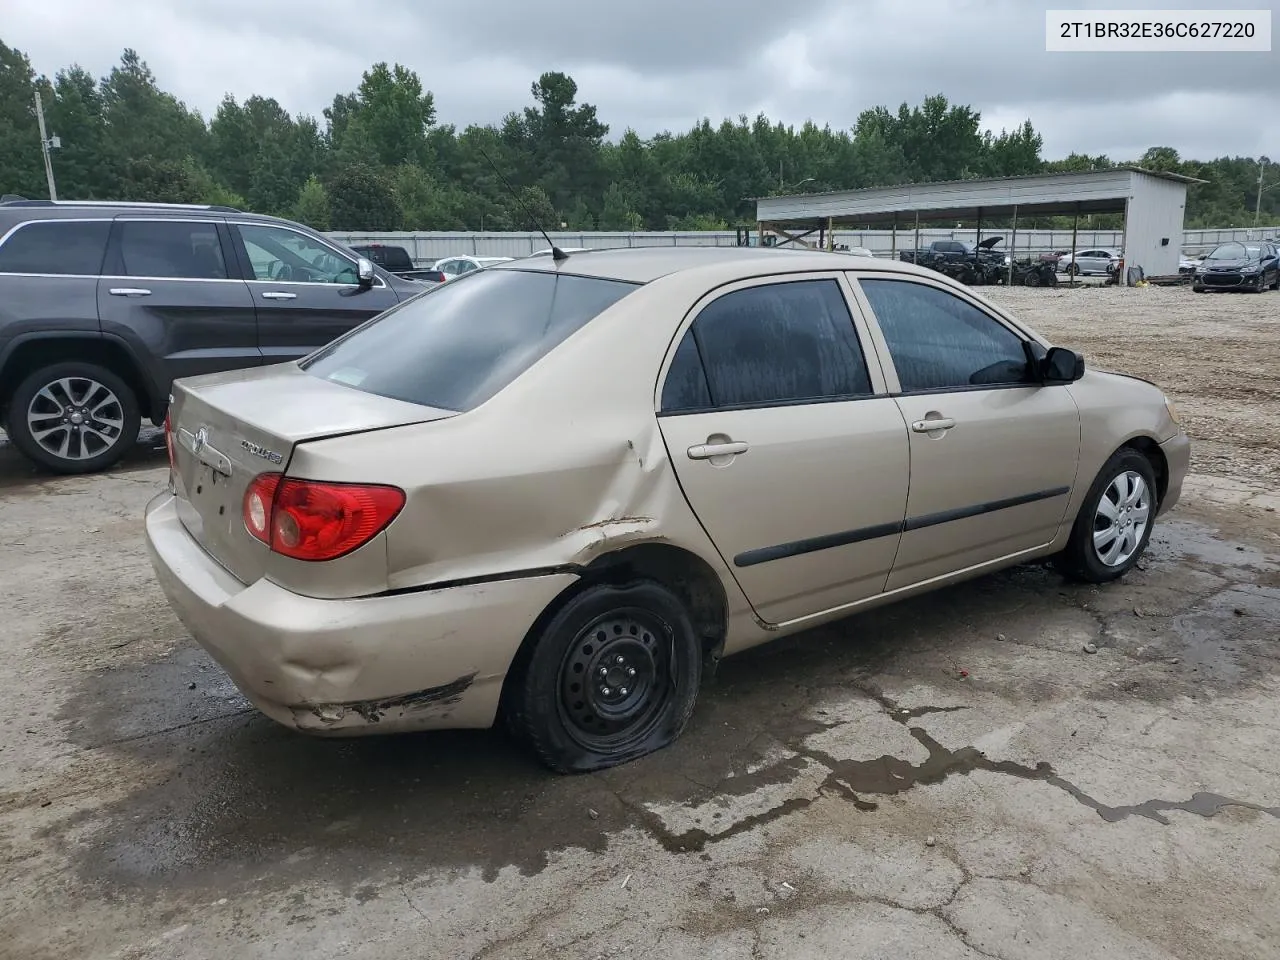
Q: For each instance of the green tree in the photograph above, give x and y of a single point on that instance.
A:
(21, 166)
(386, 121)
(312, 205)
(362, 198)
(143, 121)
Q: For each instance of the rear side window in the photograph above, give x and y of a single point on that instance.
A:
(775, 343)
(184, 250)
(459, 344)
(56, 246)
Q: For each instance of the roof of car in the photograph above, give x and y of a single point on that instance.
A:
(24, 209)
(643, 264)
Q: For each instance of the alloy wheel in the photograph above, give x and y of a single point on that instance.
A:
(75, 418)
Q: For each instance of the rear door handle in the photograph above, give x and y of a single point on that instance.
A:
(278, 295)
(705, 451)
(928, 426)
(129, 292)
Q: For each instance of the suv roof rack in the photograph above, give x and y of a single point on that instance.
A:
(12, 201)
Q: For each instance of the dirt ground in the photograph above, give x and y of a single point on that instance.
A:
(950, 777)
(1216, 355)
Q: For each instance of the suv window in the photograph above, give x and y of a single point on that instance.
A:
(181, 249)
(56, 246)
(775, 343)
(286, 256)
(940, 342)
(459, 344)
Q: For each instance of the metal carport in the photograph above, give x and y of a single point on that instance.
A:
(1153, 204)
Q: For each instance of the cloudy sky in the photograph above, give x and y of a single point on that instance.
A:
(662, 64)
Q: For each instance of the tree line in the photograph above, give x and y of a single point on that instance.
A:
(378, 160)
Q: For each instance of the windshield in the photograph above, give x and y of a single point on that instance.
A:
(459, 344)
(1236, 251)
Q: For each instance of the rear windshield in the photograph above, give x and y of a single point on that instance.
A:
(459, 344)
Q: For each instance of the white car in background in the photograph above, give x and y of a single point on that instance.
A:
(1088, 261)
(457, 266)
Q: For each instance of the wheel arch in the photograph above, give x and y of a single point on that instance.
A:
(39, 350)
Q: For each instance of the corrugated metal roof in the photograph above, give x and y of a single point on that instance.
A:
(1178, 177)
(1086, 191)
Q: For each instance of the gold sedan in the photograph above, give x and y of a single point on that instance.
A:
(555, 491)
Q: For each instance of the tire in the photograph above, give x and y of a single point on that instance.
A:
(1073, 270)
(1196, 289)
(1092, 560)
(1032, 279)
(106, 404)
(642, 636)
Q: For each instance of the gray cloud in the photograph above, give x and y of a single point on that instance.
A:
(667, 63)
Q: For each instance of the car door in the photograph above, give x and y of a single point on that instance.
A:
(170, 287)
(306, 292)
(993, 452)
(785, 444)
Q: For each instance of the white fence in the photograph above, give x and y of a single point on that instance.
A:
(428, 247)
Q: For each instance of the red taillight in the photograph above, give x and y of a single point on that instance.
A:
(312, 520)
(168, 438)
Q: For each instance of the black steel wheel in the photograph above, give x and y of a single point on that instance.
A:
(1032, 278)
(613, 676)
(616, 679)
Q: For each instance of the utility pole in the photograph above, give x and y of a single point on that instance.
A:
(45, 144)
(1257, 207)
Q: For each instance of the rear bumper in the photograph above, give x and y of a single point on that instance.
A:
(415, 661)
(1177, 454)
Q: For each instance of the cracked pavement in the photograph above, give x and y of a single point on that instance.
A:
(950, 777)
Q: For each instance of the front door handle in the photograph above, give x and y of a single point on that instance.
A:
(705, 451)
(278, 295)
(129, 292)
(929, 426)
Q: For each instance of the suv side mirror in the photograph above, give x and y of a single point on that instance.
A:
(364, 272)
(1061, 365)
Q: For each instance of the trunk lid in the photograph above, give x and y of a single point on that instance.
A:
(230, 427)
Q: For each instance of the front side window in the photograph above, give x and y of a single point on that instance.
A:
(457, 345)
(775, 343)
(940, 342)
(63, 247)
(177, 249)
(286, 256)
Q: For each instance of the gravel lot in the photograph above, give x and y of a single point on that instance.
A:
(1215, 354)
(952, 777)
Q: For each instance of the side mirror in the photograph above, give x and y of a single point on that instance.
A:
(1061, 365)
(364, 272)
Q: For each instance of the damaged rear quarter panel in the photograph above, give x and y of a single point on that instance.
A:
(564, 465)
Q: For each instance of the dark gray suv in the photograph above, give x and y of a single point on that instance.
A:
(103, 305)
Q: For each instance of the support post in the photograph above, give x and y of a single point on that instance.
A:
(893, 238)
(1013, 248)
(915, 257)
(977, 257)
(831, 235)
(1075, 226)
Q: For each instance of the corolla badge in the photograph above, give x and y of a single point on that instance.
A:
(260, 451)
